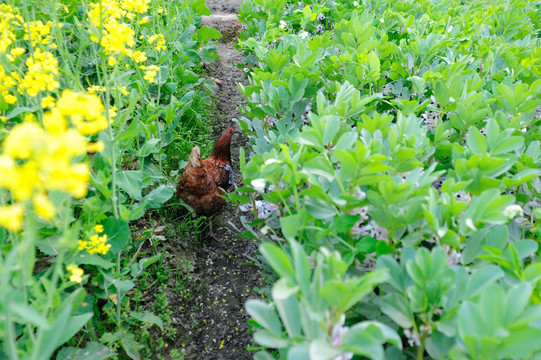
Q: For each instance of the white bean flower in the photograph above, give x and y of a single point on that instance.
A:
(512, 211)
(258, 184)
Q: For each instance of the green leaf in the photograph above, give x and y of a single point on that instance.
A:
(278, 260)
(159, 196)
(265, 315)
(441, 93)
(396, 274)
(149, 147)
(131, 182)
(493, 306)
(319, 166)
(130, 346)
(521, 343)
(438, 345)
(301, 263)
(346, 140)
(451, 238)
(147, 317)
(26, 314)
(343, 223)
(508, 144)
(199, 7)
(62, 329)
(263, 355)
(525, 247)
(366, 338)
(332, 126)
(397, 308)
(93, 350)
(94, 259)
(118, 234)
(477, 141)
(322, 350)
(299, 352)
(319, 209)
(348, 168)
(519, 295)
(131, 131)
(288, 307)
(290, 225)
(204, 34)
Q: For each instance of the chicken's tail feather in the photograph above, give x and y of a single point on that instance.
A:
(195, 157)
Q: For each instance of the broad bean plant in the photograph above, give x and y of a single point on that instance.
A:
(394, 146)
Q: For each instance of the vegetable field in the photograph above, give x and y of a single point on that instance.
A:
(390, 177)
(398, 144)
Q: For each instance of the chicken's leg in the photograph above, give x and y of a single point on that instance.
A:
(211, 232)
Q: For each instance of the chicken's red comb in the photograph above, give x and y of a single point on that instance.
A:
(230, 130)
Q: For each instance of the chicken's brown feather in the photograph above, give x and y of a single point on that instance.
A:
(200, 183)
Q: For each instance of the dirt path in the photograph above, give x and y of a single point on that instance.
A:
(219, 276)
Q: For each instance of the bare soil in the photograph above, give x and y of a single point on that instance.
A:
(217, 275)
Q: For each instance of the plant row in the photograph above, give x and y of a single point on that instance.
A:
(394, 177)
(94, 97)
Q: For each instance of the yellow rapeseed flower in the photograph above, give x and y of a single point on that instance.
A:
(97, 244)
(111, 61)
(150, 72)
(11, 217)
(139, 56)
(95, 88)
(29, 117)
(8, 169)
(41, 74)
(35, 160)
(15, 53)
(98, 228)
(9, 19)
(138, 6)
(43, 206)
(95, 147)
(23, 140)
(47, 102)
(54, 122)
(76, 273)
(7, 85)
(85, 111)
(159, 40)
(38, 32)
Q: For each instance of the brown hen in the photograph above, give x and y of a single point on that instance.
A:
(203, 181)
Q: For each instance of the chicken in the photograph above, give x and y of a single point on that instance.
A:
(203, 181)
